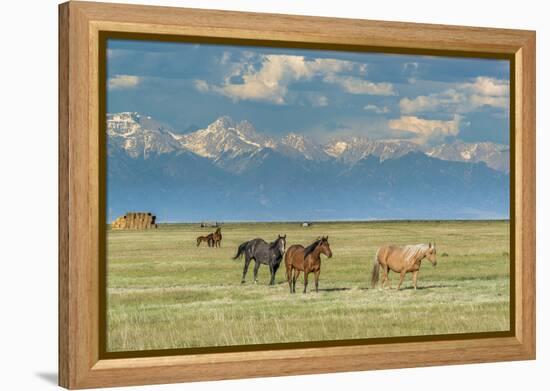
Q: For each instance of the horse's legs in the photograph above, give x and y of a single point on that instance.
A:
(294, 278)
(415, 274)
(385, 278)
(289, 277)
(246, 263)
(403, 272)
(317, 280)
(256, 268)
(306, 272)
(273, 271)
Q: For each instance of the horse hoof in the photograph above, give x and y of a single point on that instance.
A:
(243, 281)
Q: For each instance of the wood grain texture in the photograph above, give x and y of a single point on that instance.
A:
(80, 169)
(63, 220)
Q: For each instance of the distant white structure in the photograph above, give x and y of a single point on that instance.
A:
(307, 224)
(205, 224)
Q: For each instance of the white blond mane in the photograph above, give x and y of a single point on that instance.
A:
(412, 252)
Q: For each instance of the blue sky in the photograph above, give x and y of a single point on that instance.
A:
(322, 94)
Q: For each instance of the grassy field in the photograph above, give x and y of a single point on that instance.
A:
(164, 292)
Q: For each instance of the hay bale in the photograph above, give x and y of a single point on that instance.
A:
(135, 220)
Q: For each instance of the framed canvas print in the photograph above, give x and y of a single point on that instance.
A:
(248, 195)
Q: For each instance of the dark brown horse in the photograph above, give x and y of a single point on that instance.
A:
(207, 238)
(217, 238)
(308, 260)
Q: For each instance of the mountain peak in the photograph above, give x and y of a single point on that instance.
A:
(300, 145)
(139, 135)
(494, 155)
(226, 137)
(226, 140)
(223, 122)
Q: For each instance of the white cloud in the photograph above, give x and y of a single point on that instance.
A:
(225, 58)
(270, 79)
(355, 85)
(432, 102)
(410, 66)
(488, 86)
(426, 130)
(377, 109)
(201, 85)
(119, 82)
(482, 91)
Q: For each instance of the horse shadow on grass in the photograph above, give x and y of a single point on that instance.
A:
(433, 286)
(320, 289)
(333, 289)
(420, 287)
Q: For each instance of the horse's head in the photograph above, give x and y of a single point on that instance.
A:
(325, 246)
(431, 254)
(281, 243)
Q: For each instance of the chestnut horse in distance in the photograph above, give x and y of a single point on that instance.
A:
(308, 260)
(212, 239)
(401, 260)
(217, 238)
(207, 238)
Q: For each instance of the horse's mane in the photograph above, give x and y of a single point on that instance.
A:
(274, 243)
(413, 251)
(309, 249)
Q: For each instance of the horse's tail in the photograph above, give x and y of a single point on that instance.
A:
(375, 271)
(199, 240)
(240, 250)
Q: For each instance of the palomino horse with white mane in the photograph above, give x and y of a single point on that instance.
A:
(401, 260)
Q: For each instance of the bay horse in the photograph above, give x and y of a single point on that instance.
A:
(217, 238)
(207, 238)
(401, 260)
(308, 260)
(264, 253)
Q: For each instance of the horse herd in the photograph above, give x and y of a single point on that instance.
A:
(298, 259)
(213, 239)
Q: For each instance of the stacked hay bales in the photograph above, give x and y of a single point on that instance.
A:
(135, 220)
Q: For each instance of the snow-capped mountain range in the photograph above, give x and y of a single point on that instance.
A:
(234, 146)
(230, 171)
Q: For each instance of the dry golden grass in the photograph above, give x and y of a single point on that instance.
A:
(164, 292)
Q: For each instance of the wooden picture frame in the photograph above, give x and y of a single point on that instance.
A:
(81, 24)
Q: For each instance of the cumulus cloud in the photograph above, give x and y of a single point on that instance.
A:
(355, 85)
(488, 86)
(466, 97)
(118, 82)
(269, 79)
(377, 109)
(426, 130)
(433, 102)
